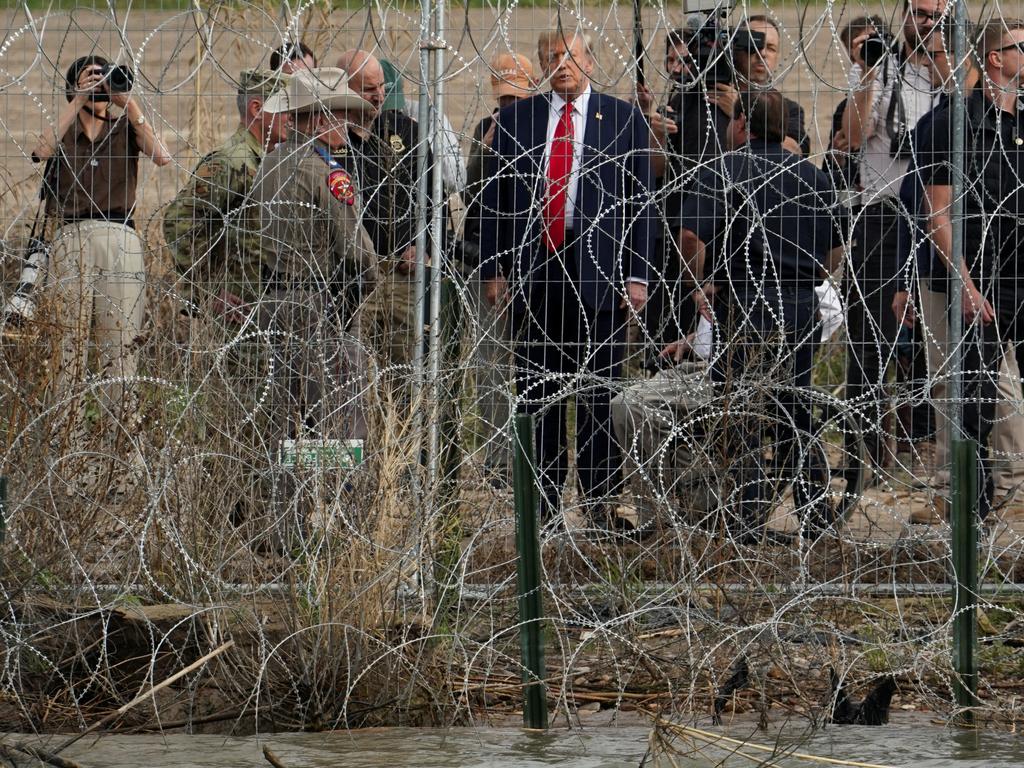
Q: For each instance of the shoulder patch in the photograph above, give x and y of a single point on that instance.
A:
(208, 170)
(340, 184)
(396, 143)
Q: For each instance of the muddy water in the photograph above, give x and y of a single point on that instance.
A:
(897, 745)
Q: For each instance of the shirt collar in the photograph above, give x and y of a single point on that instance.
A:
(251, 141)
(558, 103)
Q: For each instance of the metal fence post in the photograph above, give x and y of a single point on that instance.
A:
(535, 708)
(963, 453)
(3, 510)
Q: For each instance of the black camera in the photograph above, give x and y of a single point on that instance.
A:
(117, 78)
(875, 48)
(713, 47)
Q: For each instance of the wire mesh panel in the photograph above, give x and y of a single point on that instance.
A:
(278, 277)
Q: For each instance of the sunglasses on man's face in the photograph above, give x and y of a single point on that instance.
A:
(924, 15)
(1018, 46)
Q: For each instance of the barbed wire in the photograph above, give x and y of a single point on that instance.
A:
(238, 448)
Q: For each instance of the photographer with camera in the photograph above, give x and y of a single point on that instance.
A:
(756, 49)
(96, 272)
(891, 89)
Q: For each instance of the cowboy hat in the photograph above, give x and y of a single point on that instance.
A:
(323, 89)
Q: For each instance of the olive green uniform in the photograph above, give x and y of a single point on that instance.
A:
(205, 226)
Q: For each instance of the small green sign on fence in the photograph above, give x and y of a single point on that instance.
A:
(321, 454)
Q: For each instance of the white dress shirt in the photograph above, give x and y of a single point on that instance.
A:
(579, 125)
(880, 174)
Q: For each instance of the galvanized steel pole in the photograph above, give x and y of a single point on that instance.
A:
(422, 255)
(437, 264)
(963, 452)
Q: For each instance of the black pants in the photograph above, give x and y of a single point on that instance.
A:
(872, 279)
(764, 364)
(983, 354)
(567, 349)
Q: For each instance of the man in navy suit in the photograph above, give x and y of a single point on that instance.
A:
(566, 239)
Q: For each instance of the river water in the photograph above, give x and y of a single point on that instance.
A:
(601, 747)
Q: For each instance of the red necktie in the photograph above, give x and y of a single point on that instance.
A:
(559, 168)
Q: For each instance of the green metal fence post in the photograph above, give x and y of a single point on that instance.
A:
(531, 637)
(965, 569)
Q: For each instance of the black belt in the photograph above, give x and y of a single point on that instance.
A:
(887, 204)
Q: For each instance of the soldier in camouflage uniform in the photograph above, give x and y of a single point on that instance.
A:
(207, 226)
(210, 230)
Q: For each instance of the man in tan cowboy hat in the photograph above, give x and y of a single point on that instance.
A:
(313, 246)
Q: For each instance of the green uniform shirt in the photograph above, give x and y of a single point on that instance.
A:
(209, 229)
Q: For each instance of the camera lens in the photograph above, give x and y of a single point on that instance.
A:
(874, 50)
(119, 79)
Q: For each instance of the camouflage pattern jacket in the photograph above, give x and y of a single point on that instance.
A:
(209, 225)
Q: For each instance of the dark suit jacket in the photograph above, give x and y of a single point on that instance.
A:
(613, 219)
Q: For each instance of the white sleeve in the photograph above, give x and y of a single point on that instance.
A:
(854, 85)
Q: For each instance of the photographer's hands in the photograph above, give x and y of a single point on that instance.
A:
(724, 97)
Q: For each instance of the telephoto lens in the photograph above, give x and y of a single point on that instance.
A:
(119, 78)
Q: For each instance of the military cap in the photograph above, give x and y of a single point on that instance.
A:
(259, 81)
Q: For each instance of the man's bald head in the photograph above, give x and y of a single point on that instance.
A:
(365, 77)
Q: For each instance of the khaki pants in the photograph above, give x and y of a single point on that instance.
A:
(1007, 432)
(387, 323)
(97, 283)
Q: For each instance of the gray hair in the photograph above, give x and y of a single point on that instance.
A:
(242, 102)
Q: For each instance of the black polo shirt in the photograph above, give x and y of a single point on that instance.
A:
(768, 218)
(94, 179)
(993, 189)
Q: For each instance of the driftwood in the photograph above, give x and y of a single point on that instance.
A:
(143, 697)
(273, 759)
(38, 753)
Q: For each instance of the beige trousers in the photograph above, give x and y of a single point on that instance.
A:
(1007, 441)
(97, 283)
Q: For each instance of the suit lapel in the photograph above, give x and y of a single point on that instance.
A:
(539, 135)
(591, 131)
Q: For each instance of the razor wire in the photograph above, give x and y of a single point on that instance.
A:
(202, 479)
